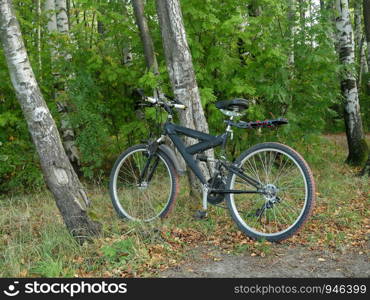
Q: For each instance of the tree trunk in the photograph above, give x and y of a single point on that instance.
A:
(62, 17)
(59, 175)
(364, 68)
(182, 76)
(357, 146)
(39, 47)
(360, 53)
(254, 8)
(302, 20)
(58, 21)
(358, 26)
(150, 58)
(292, 30)
(146, 39)
(126, 51)
(366, 10)
(52, 18)
(322, 5)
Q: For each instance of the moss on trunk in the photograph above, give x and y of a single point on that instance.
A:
(359, 155)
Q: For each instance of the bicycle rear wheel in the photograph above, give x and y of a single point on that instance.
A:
(143, 187)
(288, 192)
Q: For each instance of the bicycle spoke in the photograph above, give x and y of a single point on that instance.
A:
(283, 192)
(146, 199)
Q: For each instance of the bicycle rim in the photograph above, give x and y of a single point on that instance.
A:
(147, 199)
(283, 204)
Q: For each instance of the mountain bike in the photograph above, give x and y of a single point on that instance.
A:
(269, 189)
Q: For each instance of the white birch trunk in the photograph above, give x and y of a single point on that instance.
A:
(181, 72)
(61, 16)
(50, 12)
(358, 25)
(59, 175)
(355, 137)
(126, 52)
(366, 14)
(364, 68)
(58, 22)
(39, 35)
(292, 30)
(360, 46)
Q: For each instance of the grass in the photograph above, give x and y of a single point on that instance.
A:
(35, 243)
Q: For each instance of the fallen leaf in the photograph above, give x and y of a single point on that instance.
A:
(321, 259)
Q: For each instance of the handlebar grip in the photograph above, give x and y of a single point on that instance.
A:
(180, 106)
(155, 101)
(151, 100)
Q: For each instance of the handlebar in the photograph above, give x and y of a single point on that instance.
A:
(164, 104)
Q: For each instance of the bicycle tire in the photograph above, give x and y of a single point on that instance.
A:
(122, 211)
(309, 187)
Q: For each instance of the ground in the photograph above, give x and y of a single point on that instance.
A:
(286, 263)
(333, 243)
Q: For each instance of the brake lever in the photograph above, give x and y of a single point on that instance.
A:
(173, 99)
(145, 105)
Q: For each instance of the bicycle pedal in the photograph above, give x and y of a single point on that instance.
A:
(200, 215)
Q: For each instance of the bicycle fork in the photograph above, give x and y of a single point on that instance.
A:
(149, 171)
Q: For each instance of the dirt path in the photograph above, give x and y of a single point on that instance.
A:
(286, 262)
(282, 262)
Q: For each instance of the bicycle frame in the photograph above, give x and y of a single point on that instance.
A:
(206, 141)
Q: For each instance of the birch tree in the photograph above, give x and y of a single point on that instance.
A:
(357, 146)
(181, 72)
(56, 11)
(61, 16)
(59, 175)
(292, 30)
(51, 16)
(366, 13)
(360, 46)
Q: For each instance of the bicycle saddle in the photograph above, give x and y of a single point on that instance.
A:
(233, 107)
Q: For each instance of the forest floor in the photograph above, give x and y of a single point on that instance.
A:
(285, 262)
(333, 243)
(282, 261)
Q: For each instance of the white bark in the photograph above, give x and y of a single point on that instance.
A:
(50, 12)
(181, 71)
(292, 29)
(364, 68)
(360, 45)
(58, 172)
(358, 24)
(58, 22)
(352, 114)
(61, 16)
(39, 35)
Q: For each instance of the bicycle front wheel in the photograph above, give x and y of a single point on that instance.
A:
(143, 187)
(284, 200)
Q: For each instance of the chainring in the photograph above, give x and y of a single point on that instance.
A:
(216, 183)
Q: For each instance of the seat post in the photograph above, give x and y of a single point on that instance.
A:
(229, 129)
